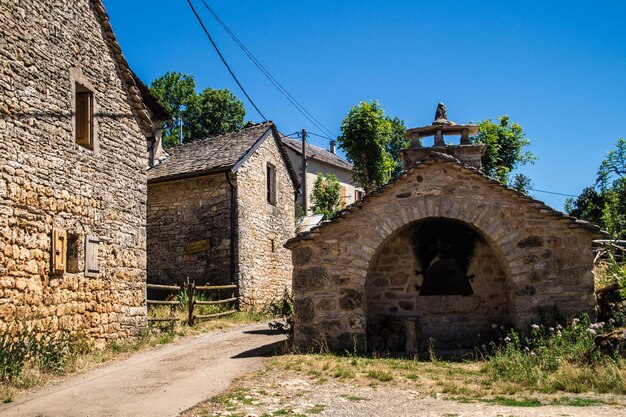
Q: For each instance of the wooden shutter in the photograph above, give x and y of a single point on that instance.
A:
(91, 256)
(83, 119)
(59, 251)
(343, 196)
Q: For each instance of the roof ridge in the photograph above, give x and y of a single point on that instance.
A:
(449, 159)
(217, 135)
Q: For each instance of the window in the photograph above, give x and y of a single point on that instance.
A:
(83, 127)
(358, 195)
(271, 184)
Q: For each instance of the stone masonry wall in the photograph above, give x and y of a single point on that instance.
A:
(264, 264)
(188, 224)
(451, 321)
(47, 180)
(546, 258)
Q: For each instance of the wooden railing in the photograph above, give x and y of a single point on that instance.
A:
(191, 290)
(191, 295)
(172, 319)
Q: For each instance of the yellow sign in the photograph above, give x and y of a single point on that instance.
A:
(198, 246)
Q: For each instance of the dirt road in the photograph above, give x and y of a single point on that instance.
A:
(160, 382)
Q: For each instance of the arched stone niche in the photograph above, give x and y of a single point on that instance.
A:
(413, 302)
(546, 257)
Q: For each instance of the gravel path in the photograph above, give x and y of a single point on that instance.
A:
(290, 394)
(160, 382)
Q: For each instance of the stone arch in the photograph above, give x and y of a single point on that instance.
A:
(405, 313)
(546, 256)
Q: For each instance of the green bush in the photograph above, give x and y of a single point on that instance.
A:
(281, 308)
(31, 346)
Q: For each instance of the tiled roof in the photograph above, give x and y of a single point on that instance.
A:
(315, 152)
(445, 158)
(211, 154)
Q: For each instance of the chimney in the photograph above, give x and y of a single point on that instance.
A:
(333, 146)
(466, 152)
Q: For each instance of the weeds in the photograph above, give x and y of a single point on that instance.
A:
(33, 347)
(558, 359)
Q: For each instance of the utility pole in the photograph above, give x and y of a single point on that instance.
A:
(305, 202)
(180, 125)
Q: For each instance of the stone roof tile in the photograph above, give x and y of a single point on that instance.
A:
(316, 152)
(211, 154)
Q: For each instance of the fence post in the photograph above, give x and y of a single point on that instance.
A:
(191, 289)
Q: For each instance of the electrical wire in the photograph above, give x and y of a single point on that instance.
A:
(552, 192)
(224, 60)
(318, 135)
(268, 75)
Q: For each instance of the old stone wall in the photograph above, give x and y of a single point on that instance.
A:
(188, 225)
(48, 181)
(547, 258)
(264, 264)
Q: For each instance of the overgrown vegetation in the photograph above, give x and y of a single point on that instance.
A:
(561, 358)
(24, 347)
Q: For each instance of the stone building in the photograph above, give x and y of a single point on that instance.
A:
(220, 210)
(320, 160)
(73, 132)
(442, 252)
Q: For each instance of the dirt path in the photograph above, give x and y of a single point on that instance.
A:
(161, 382)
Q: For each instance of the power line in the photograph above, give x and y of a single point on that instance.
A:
(321, 136)
(298, 106)
(224, 60)
(552, 192)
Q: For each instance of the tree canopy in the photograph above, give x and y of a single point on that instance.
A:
(326, 195)
(370, 140)
(210, 112)
(604, 203)
(504, 150)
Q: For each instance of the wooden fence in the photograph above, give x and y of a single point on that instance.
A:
(192, 291)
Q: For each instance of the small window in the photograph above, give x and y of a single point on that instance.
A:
(358, 195)
(84, 117)
(271, 184)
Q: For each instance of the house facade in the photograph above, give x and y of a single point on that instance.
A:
(320, 160)
(73, 131)
(438, 257)
(220, 210)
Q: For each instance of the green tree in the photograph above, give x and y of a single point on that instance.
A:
(208, 113)
(605, 203)
(368, 137)
(326, 195)
(521, 183)
(214, 112)
(588, 206)
(176, 91)
(397, 142)
(504, 148)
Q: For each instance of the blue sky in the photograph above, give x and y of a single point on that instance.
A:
(557, 68)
